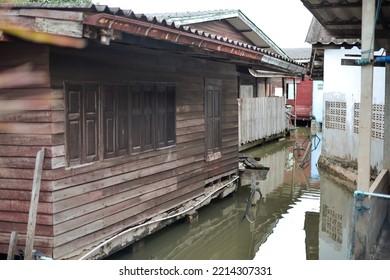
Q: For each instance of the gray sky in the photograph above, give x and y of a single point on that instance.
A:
(286, 22)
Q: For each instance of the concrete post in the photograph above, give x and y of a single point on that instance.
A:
(386, 145)
(368, 36)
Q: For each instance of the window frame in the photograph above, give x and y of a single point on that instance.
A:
(119, 120)
(84, 157)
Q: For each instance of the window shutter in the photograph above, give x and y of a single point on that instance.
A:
(171, 116)
(217, 120)
(74, 119)
(109, 120)
(136, 114)
(90, 125)
(147, 132)
(161, 116)
(209, 118)
(122, 120)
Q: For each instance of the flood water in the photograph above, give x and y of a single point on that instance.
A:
(301, 214)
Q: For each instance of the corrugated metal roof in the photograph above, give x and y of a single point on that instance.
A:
(298, 53)
(336, 23)
(270, 57)
(340, 21)
(317, 34)
(235, 17)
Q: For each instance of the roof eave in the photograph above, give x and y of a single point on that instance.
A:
(192, 39)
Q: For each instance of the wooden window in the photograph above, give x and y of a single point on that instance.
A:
(82, 123)
(153, 117)
(115, 120)
(213, 134)
(134, 118)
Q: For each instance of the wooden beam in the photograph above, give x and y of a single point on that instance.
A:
(12, 246)
(32, 217)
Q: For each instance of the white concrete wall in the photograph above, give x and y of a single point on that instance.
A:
(318, 101)
(342, 84)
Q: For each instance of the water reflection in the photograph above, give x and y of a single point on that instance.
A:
(335, 220)
(294, 218)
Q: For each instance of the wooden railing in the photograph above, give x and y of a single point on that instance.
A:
(260, 118)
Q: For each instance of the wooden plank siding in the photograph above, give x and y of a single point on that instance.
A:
(80, 206)
(28, 118)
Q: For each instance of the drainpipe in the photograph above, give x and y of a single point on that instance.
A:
(386, 144)
(368, 35)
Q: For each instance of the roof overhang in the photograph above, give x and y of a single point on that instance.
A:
(112, 25)
(235, 18)
(209, 43)
(338, 23)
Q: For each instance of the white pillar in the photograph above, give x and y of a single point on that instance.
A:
(368, 36)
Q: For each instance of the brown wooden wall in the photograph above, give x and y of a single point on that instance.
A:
(92, 202)
(28, 121)
(224, 28)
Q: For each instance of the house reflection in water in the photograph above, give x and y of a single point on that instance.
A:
(294, 218)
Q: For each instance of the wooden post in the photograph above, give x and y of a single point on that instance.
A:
(295, 103)
(364, 158)
(32, 216)
(12, 246)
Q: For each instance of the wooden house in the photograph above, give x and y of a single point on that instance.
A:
(257, 101)
(138, 117)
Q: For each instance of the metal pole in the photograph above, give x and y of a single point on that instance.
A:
(386, 145)
(364, 158)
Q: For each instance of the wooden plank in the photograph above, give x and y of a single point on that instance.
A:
(31, 116)
(12, 245)
(23, 162)
(125, 192)
(34, 205)
(41, 241)
(32, 128)
(21, 184)
(26, 93)
(31, 105)
(24, 195)
(59, 27)
(20, 208)
(54, 14)
(17, 217)
(189, 116)
(110, 209)
(30, 151)
(26, 139)
(123, 221)
(189, 123)
(20, 228)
